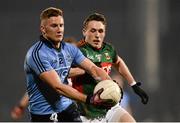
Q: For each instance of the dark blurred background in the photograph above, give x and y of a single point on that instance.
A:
(146, 34)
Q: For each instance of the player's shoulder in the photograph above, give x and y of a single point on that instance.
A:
(69, 46)
(35, 52)
(108, 45)
(38, 49)
(35, 46)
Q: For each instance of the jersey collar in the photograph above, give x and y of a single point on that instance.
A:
(50, 44)
(96, 49)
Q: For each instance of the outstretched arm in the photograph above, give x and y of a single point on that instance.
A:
(124, 71)
(122, 68)
(76, 72)
(52, 78)
(18, 111)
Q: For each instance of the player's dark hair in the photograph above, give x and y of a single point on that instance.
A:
(94, 17)
(50, 12)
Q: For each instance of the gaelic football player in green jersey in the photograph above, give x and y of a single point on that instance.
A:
(104, 56)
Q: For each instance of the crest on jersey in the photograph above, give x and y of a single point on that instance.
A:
(107, 56)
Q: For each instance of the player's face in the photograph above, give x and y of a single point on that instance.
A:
(53, 28)
(94, 33)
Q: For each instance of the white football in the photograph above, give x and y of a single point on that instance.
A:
(111, 90)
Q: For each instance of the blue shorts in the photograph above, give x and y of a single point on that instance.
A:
(70, 114)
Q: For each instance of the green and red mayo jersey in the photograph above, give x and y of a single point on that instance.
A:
(103, 58)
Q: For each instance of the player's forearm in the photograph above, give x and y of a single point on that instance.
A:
(99, 74)
(96, 72)
(127, 75)
(76, 72)
(124, 71)
(25, 100)
(52, 79)
(71, 93)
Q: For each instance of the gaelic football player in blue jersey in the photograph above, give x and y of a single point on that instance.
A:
(47, 64)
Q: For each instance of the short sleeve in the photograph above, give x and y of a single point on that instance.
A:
(113, 53)
(38, 62)
(115, 56)
(79, 57)
(77, 54)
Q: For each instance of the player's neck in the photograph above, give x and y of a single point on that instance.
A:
(54, 44)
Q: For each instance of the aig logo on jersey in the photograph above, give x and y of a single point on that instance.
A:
(90, 57)
(107, 56)
(98, 56)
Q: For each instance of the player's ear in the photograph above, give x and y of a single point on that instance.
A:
(84, 32)
(42, 26)
(42, 29)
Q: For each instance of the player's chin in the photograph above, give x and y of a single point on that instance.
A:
(58, 39)
(96, 46)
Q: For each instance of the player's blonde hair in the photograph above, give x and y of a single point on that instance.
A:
(50, 12)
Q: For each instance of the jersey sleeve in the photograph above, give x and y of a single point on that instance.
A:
(78, 56)
(38, 62)
(114, 55)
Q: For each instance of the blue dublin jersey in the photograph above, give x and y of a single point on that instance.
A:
(42, 57)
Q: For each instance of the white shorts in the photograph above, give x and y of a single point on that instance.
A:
(113, 115)
(85, 120)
